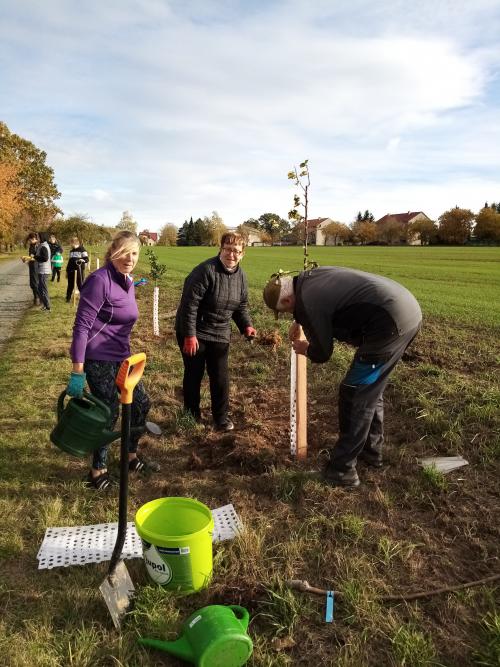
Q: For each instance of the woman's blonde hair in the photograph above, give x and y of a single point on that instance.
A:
(122, 243)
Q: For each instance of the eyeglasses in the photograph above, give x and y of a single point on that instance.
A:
(232, 251)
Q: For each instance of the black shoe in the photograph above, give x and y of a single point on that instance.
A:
(348, 479)
(225, 425)
(372, 459)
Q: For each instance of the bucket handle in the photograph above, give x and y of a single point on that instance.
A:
(129, 375)
(241, 614)
(86, 395)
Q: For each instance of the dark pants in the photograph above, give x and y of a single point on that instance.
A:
(213, 356)
(43, 292)
(56, 273)
(361, 399)
(33, 280)
(80, 276)
(101, 377)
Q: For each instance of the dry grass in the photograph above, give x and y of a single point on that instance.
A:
(403, 530)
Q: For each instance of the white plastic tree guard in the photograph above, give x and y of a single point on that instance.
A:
(156, 297)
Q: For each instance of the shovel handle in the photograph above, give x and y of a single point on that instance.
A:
(129, 375)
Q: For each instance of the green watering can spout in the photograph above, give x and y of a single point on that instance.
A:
(180, 648)
(214, 636)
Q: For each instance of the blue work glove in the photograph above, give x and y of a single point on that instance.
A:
(76, 384)
(141, 281)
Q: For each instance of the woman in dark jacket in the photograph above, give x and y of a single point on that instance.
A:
(214, 293)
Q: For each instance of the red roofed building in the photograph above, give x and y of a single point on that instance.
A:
(148, 238)
(314, 227)
(391, 221)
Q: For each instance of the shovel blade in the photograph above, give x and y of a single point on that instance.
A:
(118, 591)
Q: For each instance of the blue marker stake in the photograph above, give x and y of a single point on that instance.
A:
(330, 603)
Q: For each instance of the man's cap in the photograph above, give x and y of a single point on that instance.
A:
(271, 294)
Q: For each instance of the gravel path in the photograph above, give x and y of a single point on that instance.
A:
(15, 296)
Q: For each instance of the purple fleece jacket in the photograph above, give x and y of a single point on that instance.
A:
(106, 314)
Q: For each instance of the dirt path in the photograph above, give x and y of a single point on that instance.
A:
(15, 296)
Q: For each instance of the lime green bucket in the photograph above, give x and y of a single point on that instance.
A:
(176, 536)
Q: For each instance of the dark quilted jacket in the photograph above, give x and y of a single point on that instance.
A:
(211, 297)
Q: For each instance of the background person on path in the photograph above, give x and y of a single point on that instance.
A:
(214, 292)
(43, 269)
(77, 260)
(33, 275)
(375, 314)
(56, 255)
(107, 312)
(57, 264)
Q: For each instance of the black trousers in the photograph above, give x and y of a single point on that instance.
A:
(56, 273)
(214, 357)
(43, 292)
(33, 280)
(80, 277)
(361, 399)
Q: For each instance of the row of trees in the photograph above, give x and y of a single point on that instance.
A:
(455, 226)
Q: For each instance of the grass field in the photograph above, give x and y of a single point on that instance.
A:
(404, 530)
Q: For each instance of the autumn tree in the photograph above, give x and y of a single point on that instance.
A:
(127, 223)
(274, 225)
(337, 231)
(33, 181)
(455, 225)
(426, 230)
(10, 201)
(364, 232)
(215, 228)
(488, 224)
(168, 235)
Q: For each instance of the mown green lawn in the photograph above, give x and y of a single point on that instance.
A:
(404, 530)
(459, 283)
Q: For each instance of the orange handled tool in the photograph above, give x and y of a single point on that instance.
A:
(129, 375)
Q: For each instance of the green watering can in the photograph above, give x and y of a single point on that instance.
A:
(83, 425)
(215, 636)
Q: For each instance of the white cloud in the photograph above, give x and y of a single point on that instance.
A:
(174, 109)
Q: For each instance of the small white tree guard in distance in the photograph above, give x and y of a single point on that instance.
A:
(97, 262)
(156, 295)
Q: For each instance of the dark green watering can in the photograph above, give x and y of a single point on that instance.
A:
(83, 425)
(215, 636)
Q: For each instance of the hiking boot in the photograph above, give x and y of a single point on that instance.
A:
(347, 479)
(225, 425)
(371, 458)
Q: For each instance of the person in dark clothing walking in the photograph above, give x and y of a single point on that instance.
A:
(78, 259)
(42, 261)
(380, 318)
(214, 293)
(32, 241)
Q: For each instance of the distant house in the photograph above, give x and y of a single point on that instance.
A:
(314, 233)
(252, 235)
(404, 219)
(148, 238)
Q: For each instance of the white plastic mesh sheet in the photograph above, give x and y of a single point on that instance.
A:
(79, 545)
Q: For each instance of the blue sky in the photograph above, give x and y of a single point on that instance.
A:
(171, 108)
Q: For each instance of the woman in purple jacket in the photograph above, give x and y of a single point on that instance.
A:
(101, 341)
